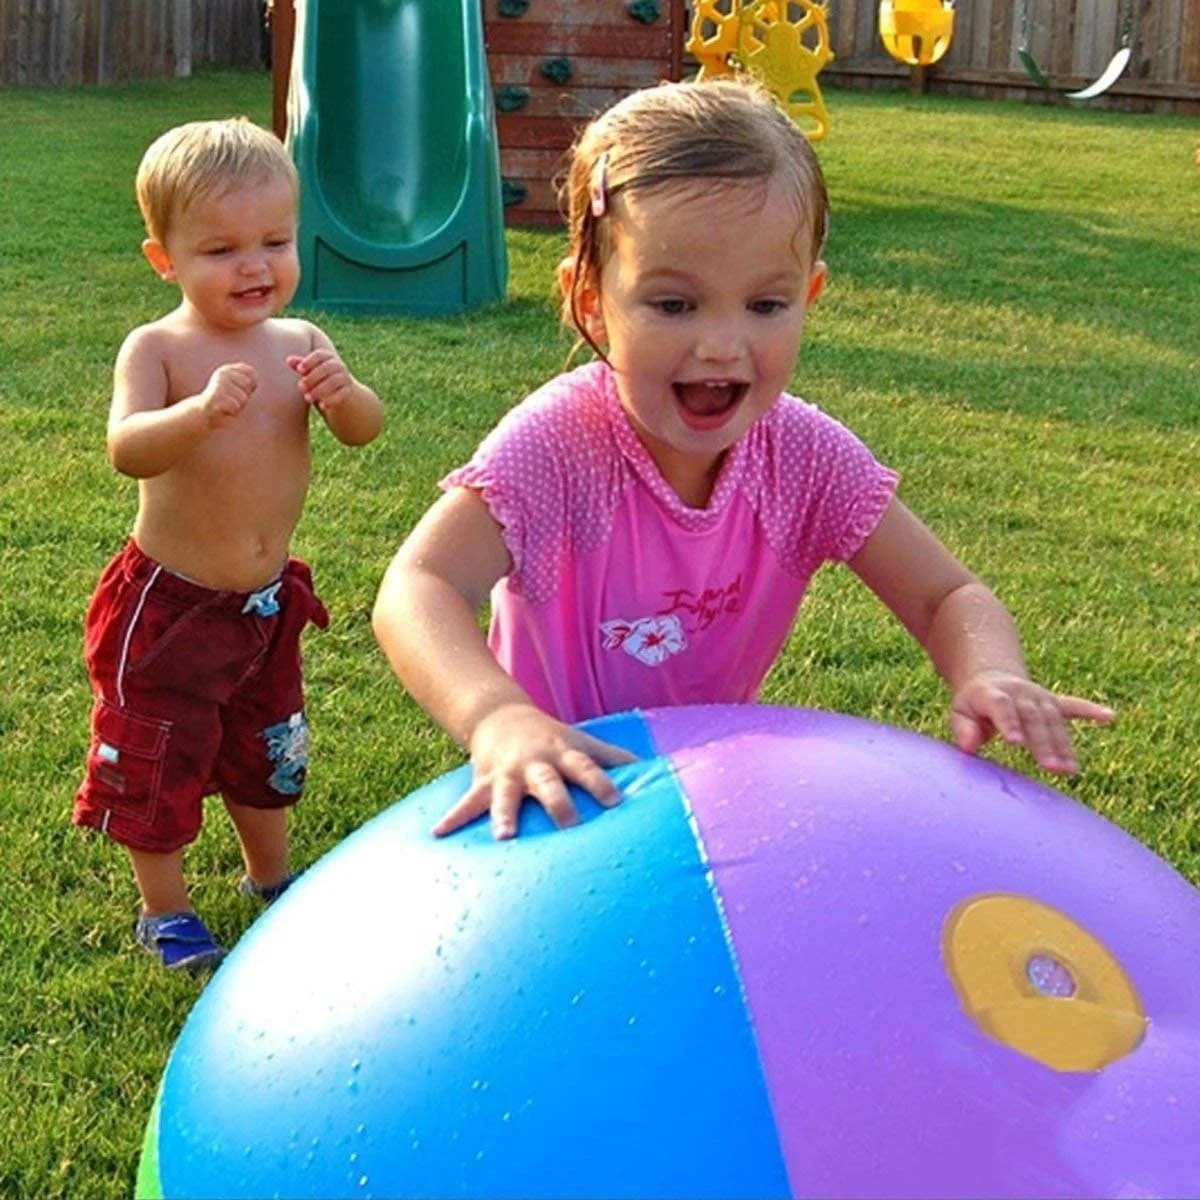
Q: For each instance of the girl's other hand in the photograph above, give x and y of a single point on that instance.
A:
(520, 751)
(1024, 714)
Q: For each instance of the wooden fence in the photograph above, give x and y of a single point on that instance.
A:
(48, 42)
(1071, 40)
(98, 41)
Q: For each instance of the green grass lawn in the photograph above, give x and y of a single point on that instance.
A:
(1012, 321)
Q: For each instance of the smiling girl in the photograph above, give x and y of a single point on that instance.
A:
(646, 525)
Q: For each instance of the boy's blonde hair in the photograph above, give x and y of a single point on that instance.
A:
(194, 160)
(726, 130)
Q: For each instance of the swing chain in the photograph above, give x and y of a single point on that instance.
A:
(1127, 24)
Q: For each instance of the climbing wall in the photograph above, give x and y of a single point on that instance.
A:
(555, 63)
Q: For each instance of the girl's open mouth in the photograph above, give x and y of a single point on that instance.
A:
(253, 294)
(708, 405)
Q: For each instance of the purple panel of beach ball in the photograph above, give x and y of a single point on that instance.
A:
(838, 848)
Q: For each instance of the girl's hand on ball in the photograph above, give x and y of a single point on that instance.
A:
(520, 751)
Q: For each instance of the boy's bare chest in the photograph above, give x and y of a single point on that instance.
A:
(275, 408)
(266, 442)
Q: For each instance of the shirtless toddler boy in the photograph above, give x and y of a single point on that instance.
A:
(193, 633)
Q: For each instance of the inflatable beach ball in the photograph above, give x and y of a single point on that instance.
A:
(808, 955)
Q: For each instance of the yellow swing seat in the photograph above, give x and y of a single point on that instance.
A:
(916, 32)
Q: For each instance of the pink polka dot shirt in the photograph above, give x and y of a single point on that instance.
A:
(620, 595)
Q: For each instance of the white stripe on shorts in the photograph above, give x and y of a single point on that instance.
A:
(137, 612)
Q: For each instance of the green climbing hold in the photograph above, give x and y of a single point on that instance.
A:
(557, 70)
(645, 11)
(512, 8)
(511, 98)
(512, 192)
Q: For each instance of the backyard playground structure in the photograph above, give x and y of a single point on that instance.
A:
(418, 129)
(553, 63)
(808, 955)
(107, 41)
(391, 126)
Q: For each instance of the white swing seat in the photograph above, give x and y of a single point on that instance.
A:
(1107, 78)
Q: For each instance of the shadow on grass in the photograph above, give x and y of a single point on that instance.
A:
(1040, 263)
(1072, 389)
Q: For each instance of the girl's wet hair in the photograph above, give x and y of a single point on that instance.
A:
(726, 130)
(202, 157)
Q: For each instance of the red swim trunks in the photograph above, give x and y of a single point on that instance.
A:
(196, 692)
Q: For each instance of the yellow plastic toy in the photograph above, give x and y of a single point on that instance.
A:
(715, 34)
(917, 32)
(784, 43)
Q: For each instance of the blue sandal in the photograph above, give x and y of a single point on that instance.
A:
(181, 941)
(267, 893)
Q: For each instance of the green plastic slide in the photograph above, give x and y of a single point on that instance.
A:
(391, 125)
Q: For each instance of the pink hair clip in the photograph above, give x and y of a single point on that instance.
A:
(599, 186)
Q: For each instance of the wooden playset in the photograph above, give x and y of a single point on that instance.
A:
(553, 64)
(556, 63)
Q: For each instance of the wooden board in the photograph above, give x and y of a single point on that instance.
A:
(622, 74)
(536, 133)
(541, 197)
(1189, 44)
(866, 31)
(610, 54)
(572, 12)
(573, 104)
(961, 40)
(595, 41)
(1062, 20)
(842, 19)
(1171, 37)
(531, 164)
(981, 28)
(999, 51)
